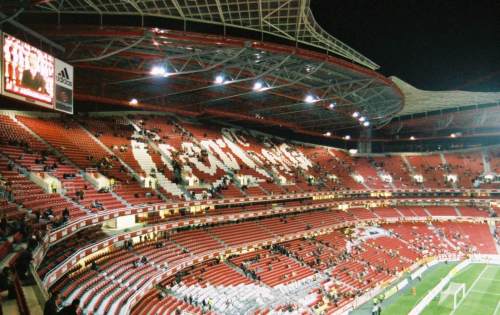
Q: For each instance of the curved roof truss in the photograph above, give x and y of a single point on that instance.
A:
(289, 19)
(116, 63)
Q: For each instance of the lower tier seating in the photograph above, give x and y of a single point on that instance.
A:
(322, 272)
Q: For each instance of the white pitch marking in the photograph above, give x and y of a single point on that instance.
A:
(497, 308)
(485, 292)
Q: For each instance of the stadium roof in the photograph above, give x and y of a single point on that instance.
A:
(300, 89)
(260, 82)
(289, 19)
(421, 101)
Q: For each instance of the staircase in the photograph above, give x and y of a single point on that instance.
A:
(443, 160)
(399, 212)
(215, 237)
(106, 149)
(496, 237)
(181, 248)
(486, 163)
(363, 183)
(427, 212)
(408, 165)
(139, 150)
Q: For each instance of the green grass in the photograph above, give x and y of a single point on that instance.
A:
(407, 301)
(482, 293)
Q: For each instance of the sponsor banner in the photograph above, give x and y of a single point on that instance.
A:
(64, 87)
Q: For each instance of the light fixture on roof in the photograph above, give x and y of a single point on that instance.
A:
(355, 114)
(159, 71)
(257, 86)
(328, 134)
(219, 79)
(310, 99)
(347, 137)
(366, 123)
(133, 102)
(362, 118)
(412, 138)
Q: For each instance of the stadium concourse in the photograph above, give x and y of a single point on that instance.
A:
(156, 170)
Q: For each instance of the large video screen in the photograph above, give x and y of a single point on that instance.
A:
(28, 72)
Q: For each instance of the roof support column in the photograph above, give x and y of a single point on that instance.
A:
(365, 141)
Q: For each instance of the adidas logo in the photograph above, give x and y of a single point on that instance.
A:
(63, 77)
(64, 74)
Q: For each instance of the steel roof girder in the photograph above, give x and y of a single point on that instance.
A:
(291, 19)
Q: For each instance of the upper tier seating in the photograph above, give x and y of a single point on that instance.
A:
(12, 133)
(32, 159)
(72, 181)
(395, 166)
(467, 166)
(365, 168)
(75, 143)
(431, 167)
(332, 162)
(32, 197)
(211, 153)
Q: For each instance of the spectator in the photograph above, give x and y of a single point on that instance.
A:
(50, 307)
(7, 283)
(96, 204)
(94, 266)
(65, 214)
(71, 309)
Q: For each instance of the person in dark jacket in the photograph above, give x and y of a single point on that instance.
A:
(71, 309)
(51, 304)
(7, 283)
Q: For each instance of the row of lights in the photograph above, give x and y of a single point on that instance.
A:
(258, 86)
(158, 71)
(362, 119)
(328, 134)
(453, 135)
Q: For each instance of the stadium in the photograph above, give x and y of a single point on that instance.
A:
(234, 157)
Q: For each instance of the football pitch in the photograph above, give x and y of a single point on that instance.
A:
(482, 294)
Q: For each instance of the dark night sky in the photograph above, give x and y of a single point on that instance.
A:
(432, 44)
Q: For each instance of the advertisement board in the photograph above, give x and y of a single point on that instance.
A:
(64, 87)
